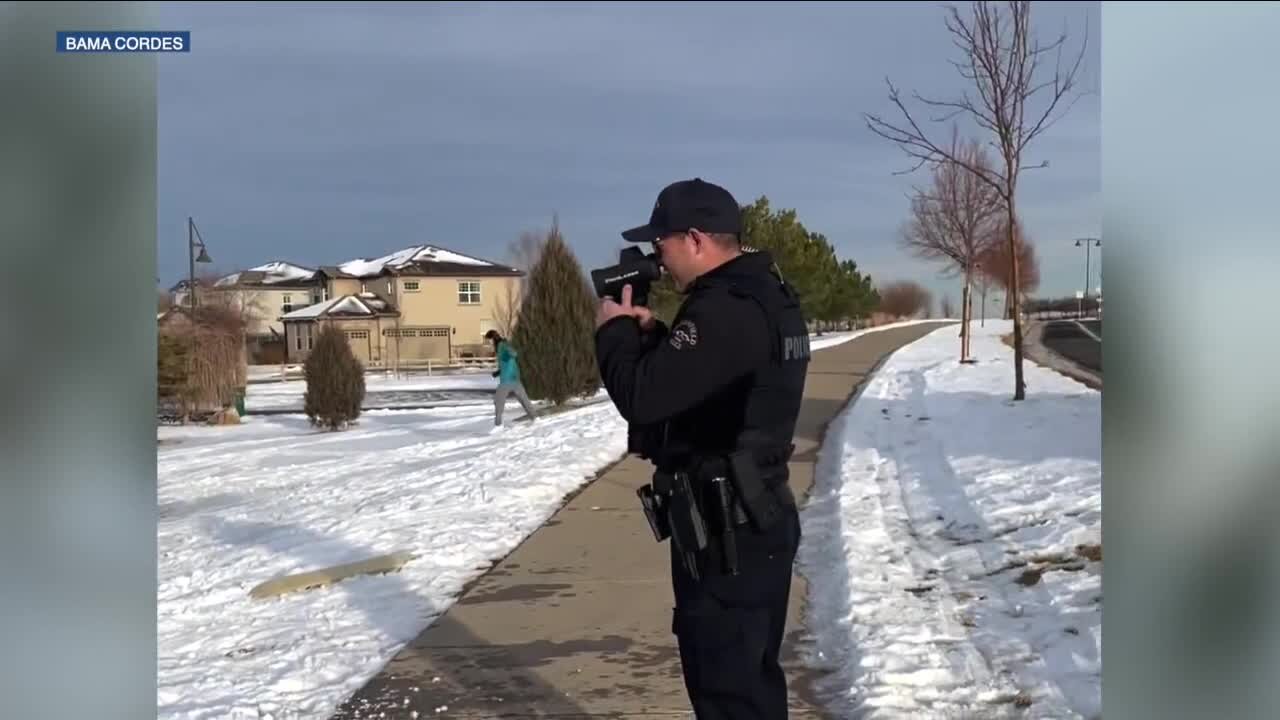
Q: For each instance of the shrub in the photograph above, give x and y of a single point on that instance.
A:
(556, 328)
(335, 381)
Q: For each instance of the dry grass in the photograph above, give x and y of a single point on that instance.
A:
(1092, 553)
(1034, 567)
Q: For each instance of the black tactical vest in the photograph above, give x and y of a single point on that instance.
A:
(761, 410)
(774, 399)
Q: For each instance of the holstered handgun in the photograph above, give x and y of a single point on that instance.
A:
(760, 503)
(655, 512)
(672, 511)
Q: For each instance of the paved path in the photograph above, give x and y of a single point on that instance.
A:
(1076, 341)
(575, 623)
(1068, 346)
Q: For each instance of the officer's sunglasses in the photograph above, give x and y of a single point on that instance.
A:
(657, 244)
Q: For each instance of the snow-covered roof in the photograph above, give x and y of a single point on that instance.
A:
(285, 271)
(373, 301)
(363, 304)
(312, 311)
(272, 273)
(409, 256)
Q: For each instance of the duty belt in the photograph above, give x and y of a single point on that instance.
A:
(731, 490)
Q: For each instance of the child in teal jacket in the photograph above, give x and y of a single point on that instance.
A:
(508, 374)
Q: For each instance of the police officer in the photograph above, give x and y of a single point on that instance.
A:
(712, 403)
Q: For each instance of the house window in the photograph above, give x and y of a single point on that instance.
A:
(468, 292)
(411, 286)
(358, 334)
(288, 304)
(301, 332)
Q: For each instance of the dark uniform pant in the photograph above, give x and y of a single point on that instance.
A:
(730, 627)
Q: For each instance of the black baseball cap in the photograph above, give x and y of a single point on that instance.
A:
(689, 204)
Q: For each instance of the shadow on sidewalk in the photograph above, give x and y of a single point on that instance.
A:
(417, 679)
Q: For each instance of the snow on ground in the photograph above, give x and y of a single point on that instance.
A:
(243, 504)
(288, 394)
(934, 492)
(831, 339)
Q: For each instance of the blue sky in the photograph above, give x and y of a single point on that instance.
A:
(321, 133)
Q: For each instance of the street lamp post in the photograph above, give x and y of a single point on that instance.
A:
(192, 259)
(193, 239)
(1087, 243)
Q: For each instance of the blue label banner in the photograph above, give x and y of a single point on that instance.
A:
(115, 41)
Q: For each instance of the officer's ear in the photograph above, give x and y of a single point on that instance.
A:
(700, 239)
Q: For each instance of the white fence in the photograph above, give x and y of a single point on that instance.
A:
(277, 373)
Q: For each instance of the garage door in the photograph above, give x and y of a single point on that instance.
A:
(420, 343)
(359, 341)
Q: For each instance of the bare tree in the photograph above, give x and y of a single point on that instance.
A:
(525, 250)
(1002, 58)
(904, 299)
(246, 301)
(997, 267)
(506, 308)
(948, 310)
(202, 359)
(981, 284)
(952, 221)
(522, 254)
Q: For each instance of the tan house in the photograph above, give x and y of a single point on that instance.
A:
(421, 303)
(365, 318)
(264, 294)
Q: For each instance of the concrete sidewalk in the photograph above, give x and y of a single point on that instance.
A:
(576, 622)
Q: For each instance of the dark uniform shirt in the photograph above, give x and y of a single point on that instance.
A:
(728, 372)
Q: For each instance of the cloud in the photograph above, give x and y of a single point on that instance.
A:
(326, 132)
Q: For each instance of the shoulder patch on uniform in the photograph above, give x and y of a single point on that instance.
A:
(683, 335)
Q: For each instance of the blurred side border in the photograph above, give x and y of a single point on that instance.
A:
(77, 304)
(1191, 416)
(1191, 413)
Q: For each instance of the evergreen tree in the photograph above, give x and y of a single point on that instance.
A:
(335, 381)
(556, 328)
(830, 289)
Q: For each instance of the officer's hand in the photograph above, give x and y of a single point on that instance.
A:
(643, 315)
(610, 310)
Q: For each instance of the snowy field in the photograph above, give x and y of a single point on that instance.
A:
(241, 505)
(379, 388)
(943, 541)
